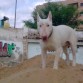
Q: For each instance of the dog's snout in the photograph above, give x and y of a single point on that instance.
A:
(44, 38)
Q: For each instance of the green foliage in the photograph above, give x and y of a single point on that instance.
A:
(81, 22)
(81, 12)
(30, 24)
(61, 14)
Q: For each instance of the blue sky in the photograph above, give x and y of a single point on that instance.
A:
(24, 10)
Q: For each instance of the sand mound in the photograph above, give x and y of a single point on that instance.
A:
(30, 72)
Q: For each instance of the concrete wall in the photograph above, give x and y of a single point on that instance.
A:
(12, 45)
(11, 34)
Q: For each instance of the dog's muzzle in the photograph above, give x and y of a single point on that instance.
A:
(44, 38)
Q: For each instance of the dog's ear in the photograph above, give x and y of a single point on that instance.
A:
(38, 17)
(50, 16)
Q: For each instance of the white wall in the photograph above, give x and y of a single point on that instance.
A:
(10, 36)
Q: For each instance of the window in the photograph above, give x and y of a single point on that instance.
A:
(81, 4)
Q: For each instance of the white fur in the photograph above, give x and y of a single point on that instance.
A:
(61, 34)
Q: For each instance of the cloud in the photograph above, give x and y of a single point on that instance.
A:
(24, 10)
(5, 4)
(39, 2)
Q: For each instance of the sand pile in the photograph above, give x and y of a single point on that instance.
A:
(30, 72)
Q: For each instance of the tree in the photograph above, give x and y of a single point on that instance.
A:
(30, 24)
(61, 14)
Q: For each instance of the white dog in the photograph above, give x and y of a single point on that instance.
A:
(56, 38)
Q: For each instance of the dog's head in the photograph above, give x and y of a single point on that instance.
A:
(44, 26)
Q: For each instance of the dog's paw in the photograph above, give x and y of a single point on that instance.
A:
(73, 64)
(43, 66)
(55, 67)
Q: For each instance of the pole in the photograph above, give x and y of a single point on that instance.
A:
(15, 14)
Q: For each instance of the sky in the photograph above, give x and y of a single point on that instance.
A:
(24, 10)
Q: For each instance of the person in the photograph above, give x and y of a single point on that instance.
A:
(6, 22)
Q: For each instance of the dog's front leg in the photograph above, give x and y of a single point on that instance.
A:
(59, 51)
(43, 56)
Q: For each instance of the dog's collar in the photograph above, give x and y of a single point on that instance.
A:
(50, 33)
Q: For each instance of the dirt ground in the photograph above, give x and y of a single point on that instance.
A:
(30, 71)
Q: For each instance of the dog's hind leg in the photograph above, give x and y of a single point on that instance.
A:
(65, 50)
(59, 51)
(73, 49)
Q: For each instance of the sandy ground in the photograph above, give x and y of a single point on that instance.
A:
(30, 72)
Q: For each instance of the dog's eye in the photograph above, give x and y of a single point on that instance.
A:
(47, 25)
